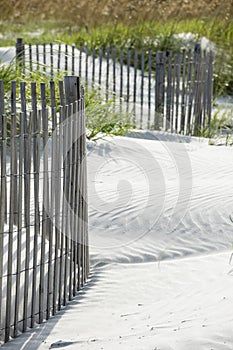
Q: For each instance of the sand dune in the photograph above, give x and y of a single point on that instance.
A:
(158, 199)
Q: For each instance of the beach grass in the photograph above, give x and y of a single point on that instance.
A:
(102, 117)
(150, 35)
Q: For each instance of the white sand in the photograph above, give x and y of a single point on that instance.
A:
(161, 240)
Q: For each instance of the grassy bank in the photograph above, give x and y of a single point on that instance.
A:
(148, 25)
(148, 36)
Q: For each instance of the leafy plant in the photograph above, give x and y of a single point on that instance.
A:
(104, 118)
(220, 129)
(223, 73)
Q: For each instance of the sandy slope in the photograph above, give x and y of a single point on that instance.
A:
(160, 247)
(159, 199)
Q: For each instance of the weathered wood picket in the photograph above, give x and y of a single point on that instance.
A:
(44, 258)
(169, 91)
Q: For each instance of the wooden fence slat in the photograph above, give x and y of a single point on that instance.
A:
(36, 199)
(3, 208)
(52, 204)
(93, 67)
(210, 87)
(73, 60)
(51, 61)
(177, 91)
(82, 194)
(142, 86)
(197, 88)
(163, 74)
(59, 58)
(204, 81)
(66, 59)
(62, 170)
(20, 53)
(156, 121)
(19, 223)
(78, 185)
(44, 117)
(149, 88)
(82, 207)
(27, 201)
(135, 84)
(65, 202)
(37, 57)
(2, 103)
(57, 155)
(202, 91)
(10, 230)
(30, 56)
(13, 97)
(80, 277)
(86, 65)
(23, 102)
(72, 91)
(169, 120)
(69, 201)
(75, 191)
(128, 78)
(121, 76)
(44, 57)
(135, 76)
(114, 72)
(26, 218)
(80, 62)
(61, 93)
(72, 88)
(85, 195)
(190, 92)
(100, 65)
(159, 90)
(107, 71)
(13, 111)
(183, 92)
(57, 183)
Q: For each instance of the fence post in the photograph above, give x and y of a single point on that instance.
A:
(72, 94)
(72, 89)
(20, 55)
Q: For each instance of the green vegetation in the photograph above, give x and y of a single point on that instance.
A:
(105, 118)
(102, 118)
(220, 130)
(153, 36)
(145, 24)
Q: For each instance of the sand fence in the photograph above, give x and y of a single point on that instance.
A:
(44, 259)
(164, 90)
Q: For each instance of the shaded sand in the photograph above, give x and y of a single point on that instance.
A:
(160, 242)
